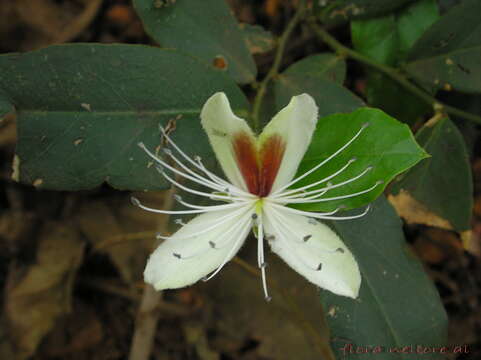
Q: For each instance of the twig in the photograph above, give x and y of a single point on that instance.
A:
(321, 343)
(274, 70)
(147, 316)
(393, 73)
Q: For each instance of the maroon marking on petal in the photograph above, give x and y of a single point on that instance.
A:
(259, 170)
(246, 156)
(271, 155)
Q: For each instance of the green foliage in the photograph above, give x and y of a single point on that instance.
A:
(443, 183)
(385, 144)
(82, 109)
(205, 29)
(449, 53)
(398, 305)
(387, 40)
(319, 75)
(338, 11)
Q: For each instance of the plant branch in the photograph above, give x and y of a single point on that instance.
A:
(393, 73)
(274, 70)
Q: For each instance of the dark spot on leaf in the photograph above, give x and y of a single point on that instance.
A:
(220, 62)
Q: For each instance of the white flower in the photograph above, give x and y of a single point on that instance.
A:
(260, 171)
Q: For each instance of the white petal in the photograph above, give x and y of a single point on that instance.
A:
(221, 126)
(339, 272)
(165, 270)
(295, 124)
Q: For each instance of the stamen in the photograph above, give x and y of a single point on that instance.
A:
(322, 162)
(179, 222)
(197, 179)
(243, 223)
(216, 222)
(341, 170)
(320, 215)
(199, 165)
(136, 202)
(230, 254)
(322, 191)
(316, 199)
(277, 229)
(201, 193)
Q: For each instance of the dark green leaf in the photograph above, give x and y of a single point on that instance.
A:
(83, 108)
(385, 144)
(257, 38)
(338, 11)
(5, 105)
(398, 305)
(387, 40)
(449, 54)
(443, 183)
(320, 76)
(205, 29)
(325, 66)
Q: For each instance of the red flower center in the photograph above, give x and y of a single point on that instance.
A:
(259, 167)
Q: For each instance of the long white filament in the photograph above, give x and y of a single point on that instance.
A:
(242, 204)
(322, 162)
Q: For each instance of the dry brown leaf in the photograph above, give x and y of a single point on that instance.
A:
(123, 231)
(414, 212)
(37, 295)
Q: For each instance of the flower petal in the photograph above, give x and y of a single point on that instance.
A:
(223, 127)
(313, 250)
(185, 257)
(295, 124)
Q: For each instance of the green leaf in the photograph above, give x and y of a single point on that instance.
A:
(385, 144)
(338, 11)
(387, 40)
(5, 105)
(320, 76)
(397, 305)
(443, 183)
(83, 108)
(205, 29)
(449, 54)
(257, 38)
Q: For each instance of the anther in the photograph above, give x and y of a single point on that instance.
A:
(340, 250)
(268, 298)
(366, 124)
(205, 278)
(319, 267)
(270, 237)
(254, 216)
(135, 201)
(212, 244)
(167, 151)
(141, 145)
(379, 182)
(177, 198)
(369, 168)
(179, 222)
(354, 158)
(197, 158)
(263, 265)
(312, 221)
(307, 237)
(177, 255)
